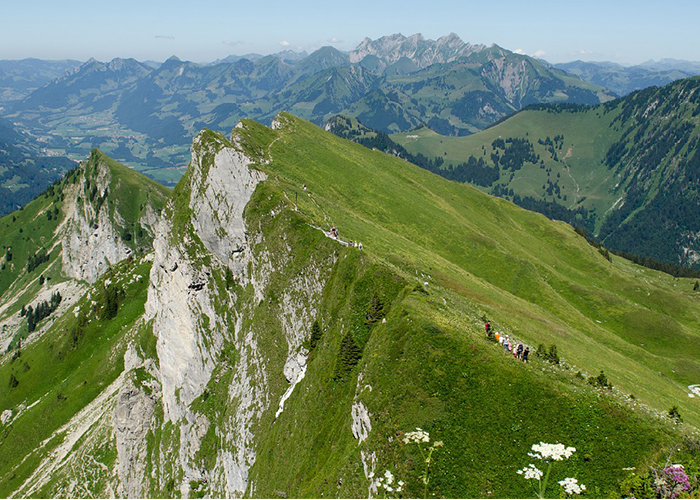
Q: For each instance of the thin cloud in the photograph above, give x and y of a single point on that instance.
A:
(519, 51)
(335, 40)
(165, 37)
(285, 43)
(539, 53)
(233, 43)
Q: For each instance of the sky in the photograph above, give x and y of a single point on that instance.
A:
(622, 31)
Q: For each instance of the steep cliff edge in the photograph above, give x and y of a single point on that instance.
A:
(98, 215)
(96, 235)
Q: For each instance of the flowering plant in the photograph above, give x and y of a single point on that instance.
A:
(419, 436)
(550, 453)
(671, 481)
(386, 482)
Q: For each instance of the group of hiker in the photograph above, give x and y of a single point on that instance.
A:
(333, 233)
(520, 351)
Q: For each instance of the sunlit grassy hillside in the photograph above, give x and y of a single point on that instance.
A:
(536, 278)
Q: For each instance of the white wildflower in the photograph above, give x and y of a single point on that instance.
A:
(531, 472)
(546, 451)
(417, 436)
(571, 486)
(389, 477)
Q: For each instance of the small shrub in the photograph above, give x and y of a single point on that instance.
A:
(674, 414)
(228, 278)
(348, 356)
(316, 334)
(375, 311)
(541, 351)
(34, 261)
(600, 381)
(111, 300)
(13, 381)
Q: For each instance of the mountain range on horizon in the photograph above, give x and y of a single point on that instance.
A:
(19, 77)
(144, 115)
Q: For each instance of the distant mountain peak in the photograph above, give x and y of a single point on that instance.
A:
(421, 51)
(290, 55)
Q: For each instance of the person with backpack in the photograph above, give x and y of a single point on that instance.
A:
(520, 351)
(526, 353)
(489, 332)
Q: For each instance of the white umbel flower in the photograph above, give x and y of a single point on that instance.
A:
(546, 451)
(531, 472)
(571, 486)
(417, 436)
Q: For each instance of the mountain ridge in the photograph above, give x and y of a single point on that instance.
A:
(194, 370)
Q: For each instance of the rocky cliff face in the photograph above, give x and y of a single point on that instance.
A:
(91, 242)
(422, 52)
(97, 232)
(206, 282)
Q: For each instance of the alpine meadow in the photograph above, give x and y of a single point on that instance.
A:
(415, 269)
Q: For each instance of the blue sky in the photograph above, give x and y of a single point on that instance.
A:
(623, 31)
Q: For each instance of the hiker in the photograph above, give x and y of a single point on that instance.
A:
(304, 187)
(506, 344)
(359, 245)
(520, 350)
(526, 353)
(498, 337)
(489, 331)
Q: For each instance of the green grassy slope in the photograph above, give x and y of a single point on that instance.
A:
(535, 277)
(61, 373)
(632, 164)
(580, 173)
(463, 254)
